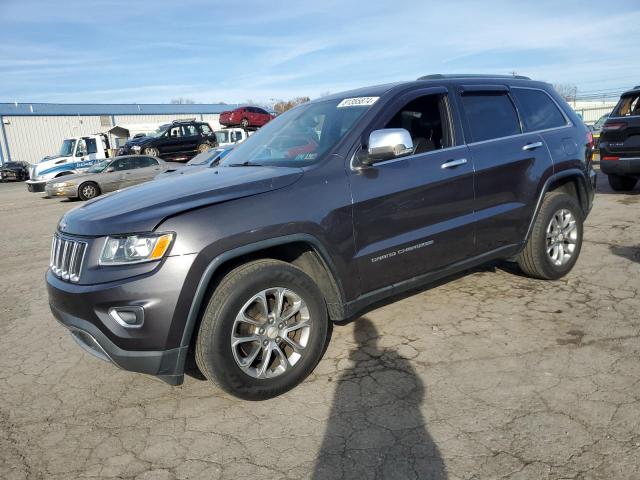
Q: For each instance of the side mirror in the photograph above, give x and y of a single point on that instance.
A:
(387, 144)
(110, 169)
(80, 153)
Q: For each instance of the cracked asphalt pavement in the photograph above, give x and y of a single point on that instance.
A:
(486, 375)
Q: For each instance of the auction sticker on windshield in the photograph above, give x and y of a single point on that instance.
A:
(358, 102)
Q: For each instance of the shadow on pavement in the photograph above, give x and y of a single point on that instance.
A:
(630, 253)
(376, 428)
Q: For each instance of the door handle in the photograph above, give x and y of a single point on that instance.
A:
(454, 163)
(532, 146)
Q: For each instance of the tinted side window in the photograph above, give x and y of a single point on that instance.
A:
(490, 115)
(538, 111)
(142, 162)
(123, 164)
(92, 147)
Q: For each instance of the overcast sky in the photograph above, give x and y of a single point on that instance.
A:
(124, 51)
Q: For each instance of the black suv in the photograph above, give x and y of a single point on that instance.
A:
(620, 142)
(179, 140)
(334, 205)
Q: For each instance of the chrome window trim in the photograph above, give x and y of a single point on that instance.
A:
(519, 135)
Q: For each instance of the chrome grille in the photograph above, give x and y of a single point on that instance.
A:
(66, 258)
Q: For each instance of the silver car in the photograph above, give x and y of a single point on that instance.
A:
(107, 176)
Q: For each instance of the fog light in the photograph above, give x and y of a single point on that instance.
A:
(129, 317)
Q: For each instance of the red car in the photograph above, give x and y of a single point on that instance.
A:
(245, 117)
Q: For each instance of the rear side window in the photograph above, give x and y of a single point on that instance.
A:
(538, 111)
(142, 162)
(490, 115)
(628, 106)
(92, 147)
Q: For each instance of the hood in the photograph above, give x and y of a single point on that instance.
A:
(139, 141)
(48, 164)
(11, 168)
(142, 207)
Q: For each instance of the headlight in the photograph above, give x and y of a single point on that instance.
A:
(126, 249)
(136, 148)
(61, 185)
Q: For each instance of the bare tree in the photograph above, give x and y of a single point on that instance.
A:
(182, 101)
(567, 91)
(283, 105)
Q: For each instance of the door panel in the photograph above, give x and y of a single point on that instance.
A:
(507, 180)
(412, 216)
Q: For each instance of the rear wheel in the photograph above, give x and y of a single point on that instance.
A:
(88, 190)
(556, 238)
(263, 331)
(151, 151)
(620, 183)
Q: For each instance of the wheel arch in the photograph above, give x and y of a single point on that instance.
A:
(302, 250)
(570, 181)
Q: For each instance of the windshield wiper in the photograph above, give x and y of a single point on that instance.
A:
(245, 164)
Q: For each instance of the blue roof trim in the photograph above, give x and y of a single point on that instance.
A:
(44, 109)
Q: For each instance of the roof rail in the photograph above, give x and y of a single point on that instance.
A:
(184, 120)
(436, 76)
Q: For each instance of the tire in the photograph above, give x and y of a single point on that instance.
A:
(244, 123)
(621, 184)
(151, 151)
(547, 254)
(203, 147)
(88, 190)
(220, 362)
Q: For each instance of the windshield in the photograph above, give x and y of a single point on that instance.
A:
(300, 136)
(98, 167)
(158, 131)
(205, 158)
(67, 148)
(222, 137)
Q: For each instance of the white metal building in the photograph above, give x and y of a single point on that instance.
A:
(31, 131)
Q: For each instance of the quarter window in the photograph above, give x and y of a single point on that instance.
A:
(538, 111)
(490, 115)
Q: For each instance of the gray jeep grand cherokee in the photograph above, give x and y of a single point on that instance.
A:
(329, 208)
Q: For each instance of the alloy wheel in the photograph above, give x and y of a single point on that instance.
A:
(562, 237)
(270, 332)
(89, 191)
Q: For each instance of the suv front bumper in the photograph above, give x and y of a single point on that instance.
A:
(154, 347)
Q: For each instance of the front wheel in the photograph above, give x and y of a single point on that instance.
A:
(203, 147)
(620, 183)
(88, 190)
(555, 240)
(152, 152)
(263, 331)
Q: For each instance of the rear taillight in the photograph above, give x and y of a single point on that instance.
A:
(610, 158)
(612, 126)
